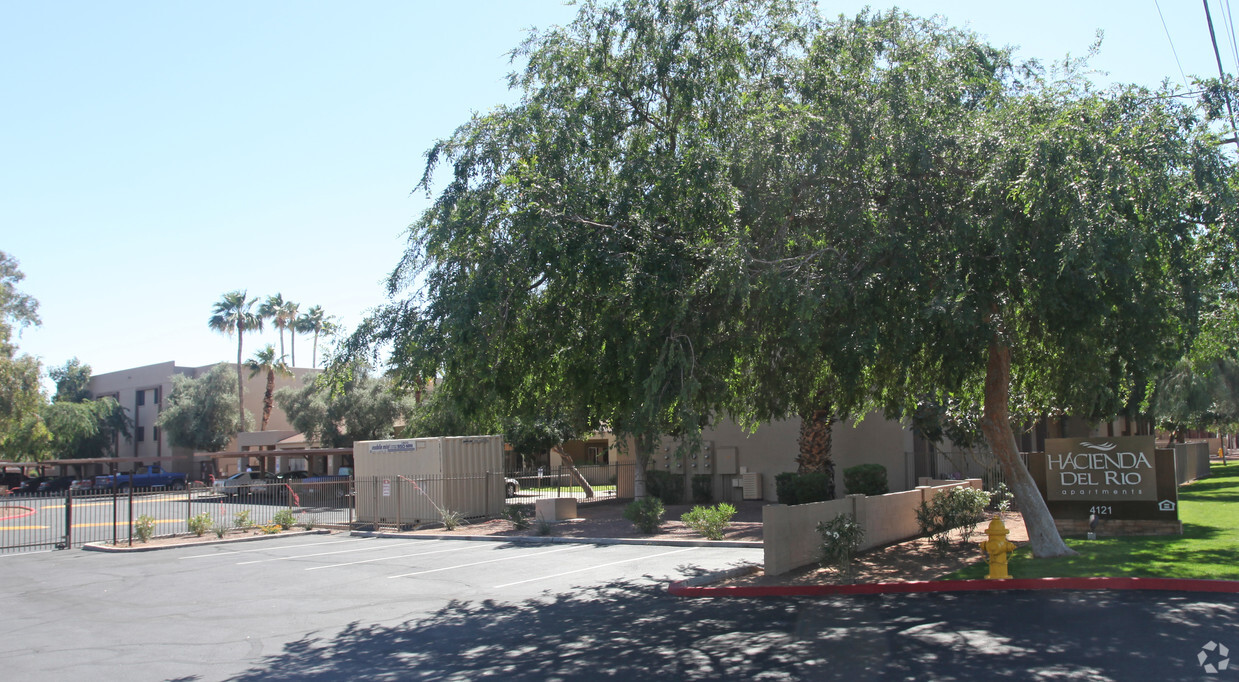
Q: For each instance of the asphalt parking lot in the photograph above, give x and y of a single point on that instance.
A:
(342, 608)
(213, 612)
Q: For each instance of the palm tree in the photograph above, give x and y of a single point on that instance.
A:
(275, 308)
(289, 311)
(265, 361)
(315, 322)
(232, 314)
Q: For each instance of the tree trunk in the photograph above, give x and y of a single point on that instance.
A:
(292, 347)
(641, 457)
(244, 461)
(996, 425)
(816, 436)
(574, 474)
(267, 399)
(314, 353)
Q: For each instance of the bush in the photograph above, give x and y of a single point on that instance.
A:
(710, 521)
(308, 521)
(1000, 499)
(219, 529)
(665, 485)
(955, 508)
(646, 514)
(793, 488)
(284, 518)
(703, 488)
(242, 519)
(144, 527)
(452, 519)
(865, 479)
(271, 529)
(544, 527)
(515, 513)
(199, 524)
(841, 539)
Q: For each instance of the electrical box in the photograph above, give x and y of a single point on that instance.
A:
(726, 457)
(752, 485)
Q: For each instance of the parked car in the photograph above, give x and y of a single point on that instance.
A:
(56, 485)
(511, 487)
(148, 477)
(30, 486)
(249, 483)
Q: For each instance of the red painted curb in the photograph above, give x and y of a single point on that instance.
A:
(679, 589)
(29, 512)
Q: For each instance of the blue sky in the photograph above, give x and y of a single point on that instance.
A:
(158, 154)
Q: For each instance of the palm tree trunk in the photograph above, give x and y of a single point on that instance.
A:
(996, 425)
(292, 347)
(245, 461)
(314, 354)
(267, 399)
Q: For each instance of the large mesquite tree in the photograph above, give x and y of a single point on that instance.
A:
(701, 208)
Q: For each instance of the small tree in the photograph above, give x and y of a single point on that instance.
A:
(198, 413)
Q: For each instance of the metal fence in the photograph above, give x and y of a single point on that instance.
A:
(607, 481)
(961, 464)
(68, 519)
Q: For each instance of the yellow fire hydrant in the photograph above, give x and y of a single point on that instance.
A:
(998, 548)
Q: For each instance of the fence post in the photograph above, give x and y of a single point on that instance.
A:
(130, 514)
(68, 519)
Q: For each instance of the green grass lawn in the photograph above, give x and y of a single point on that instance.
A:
(1208, 548)
(568, 489)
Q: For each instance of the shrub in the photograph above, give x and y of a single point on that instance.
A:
(710, 521)
(515, 513)
(199, 524)
(665, 485)
(1000, 499)
(242, 519)
(284, 518)
(958, 507)
(144, 527)
(544, 527)
(646, 514)
(270, 529)
(452, 519)
(308, 521)
(865, 479)
(219, 529)
(841, 539)
(793, 488)
(703, 488)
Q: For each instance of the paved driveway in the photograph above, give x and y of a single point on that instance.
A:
(335, 607)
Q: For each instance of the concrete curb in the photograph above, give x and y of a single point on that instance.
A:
(686, 588)
(102, 547)
(550, 540)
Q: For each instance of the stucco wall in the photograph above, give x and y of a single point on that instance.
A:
(789, 533)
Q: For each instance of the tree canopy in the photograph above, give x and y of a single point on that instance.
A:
(361, 407)
(701, 209)
(199, 413)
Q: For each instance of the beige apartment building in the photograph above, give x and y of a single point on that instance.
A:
(142, 391)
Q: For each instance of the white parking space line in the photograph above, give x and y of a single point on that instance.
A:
(590, 568)
(338, 551)
(268, 548)
(384, 558)
(490, 561)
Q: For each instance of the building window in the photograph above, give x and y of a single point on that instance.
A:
(141, 398)
(155, 394)
(140, 433)
(155, 434)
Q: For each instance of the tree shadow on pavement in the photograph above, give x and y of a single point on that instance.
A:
(637, 630)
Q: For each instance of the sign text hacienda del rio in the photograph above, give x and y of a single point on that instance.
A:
(1104, 470)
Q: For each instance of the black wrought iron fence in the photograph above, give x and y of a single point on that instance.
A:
(602, 482)
(124, 517)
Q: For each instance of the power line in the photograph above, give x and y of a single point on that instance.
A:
(1171, 41)
(1229, 15)
(1221, 73)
